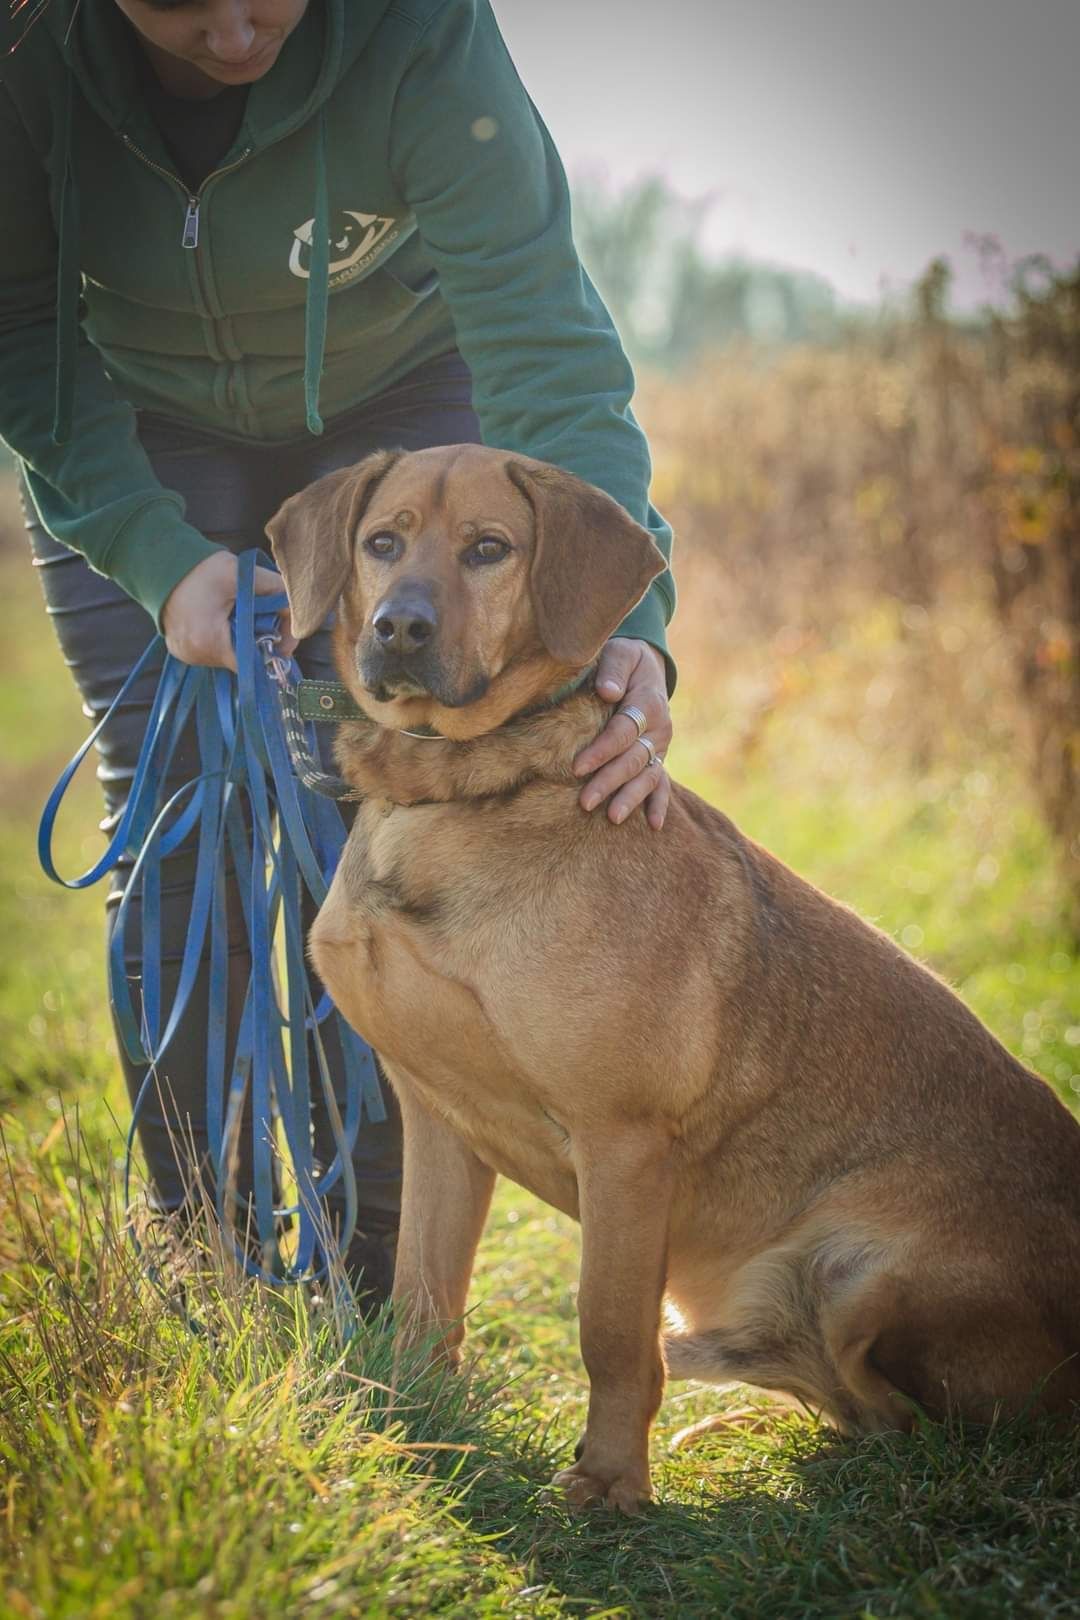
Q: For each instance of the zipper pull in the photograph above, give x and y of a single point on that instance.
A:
(190, 238)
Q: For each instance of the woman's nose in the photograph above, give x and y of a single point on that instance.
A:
(230, 35)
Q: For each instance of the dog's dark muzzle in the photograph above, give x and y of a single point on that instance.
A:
(398, 654)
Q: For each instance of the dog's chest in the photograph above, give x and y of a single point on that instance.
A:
(433, 964)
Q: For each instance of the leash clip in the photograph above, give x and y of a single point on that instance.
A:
(276, 666)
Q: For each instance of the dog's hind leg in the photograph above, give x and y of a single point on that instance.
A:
(903, 1346)
(881, 1348)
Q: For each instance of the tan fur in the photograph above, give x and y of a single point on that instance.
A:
(756, 1104)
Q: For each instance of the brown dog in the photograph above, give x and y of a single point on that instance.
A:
(754, 1102)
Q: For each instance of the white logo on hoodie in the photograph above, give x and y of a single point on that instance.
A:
(355, 238)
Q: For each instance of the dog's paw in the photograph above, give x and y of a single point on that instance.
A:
(628, 1492)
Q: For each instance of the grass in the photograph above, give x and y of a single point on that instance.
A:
(262, 1471)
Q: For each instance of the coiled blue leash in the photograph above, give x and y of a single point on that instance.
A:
(287, 844)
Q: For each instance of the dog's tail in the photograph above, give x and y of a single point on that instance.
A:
(726, 1356)
(699, 1356)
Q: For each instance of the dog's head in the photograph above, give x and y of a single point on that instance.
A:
(464, 579)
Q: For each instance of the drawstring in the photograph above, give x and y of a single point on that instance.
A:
(318, 287)
(68, 281)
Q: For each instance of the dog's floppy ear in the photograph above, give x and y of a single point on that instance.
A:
(311, 537)
(591, 561)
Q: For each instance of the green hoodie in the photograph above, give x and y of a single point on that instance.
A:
(392, 194)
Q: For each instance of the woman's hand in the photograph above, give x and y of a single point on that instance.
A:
(195, 619)
(631, 673)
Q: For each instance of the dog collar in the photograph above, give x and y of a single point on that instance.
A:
(331, 702)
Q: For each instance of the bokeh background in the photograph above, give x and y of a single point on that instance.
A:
(842, 243)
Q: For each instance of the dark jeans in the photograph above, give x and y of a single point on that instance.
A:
(231, 490)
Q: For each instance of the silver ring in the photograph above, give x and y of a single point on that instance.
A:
(654, 757)
(632, 712)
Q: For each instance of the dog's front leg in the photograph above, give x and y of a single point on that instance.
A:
(624, 1189)
(446, 1191)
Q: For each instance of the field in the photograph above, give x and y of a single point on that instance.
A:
(864, 726)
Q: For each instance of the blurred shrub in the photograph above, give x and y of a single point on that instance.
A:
(912, 491)
(1030, 499)
(670, 299)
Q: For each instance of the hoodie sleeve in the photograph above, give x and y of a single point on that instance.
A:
(97, 492)
(475, 163)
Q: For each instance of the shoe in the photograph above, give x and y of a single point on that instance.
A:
(167, 1255)
(370, 1258)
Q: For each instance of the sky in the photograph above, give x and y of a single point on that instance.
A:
(855, 138)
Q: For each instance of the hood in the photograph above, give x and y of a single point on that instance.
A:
(93, 39)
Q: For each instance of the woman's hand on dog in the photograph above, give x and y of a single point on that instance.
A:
(195, 620)
(629, 673)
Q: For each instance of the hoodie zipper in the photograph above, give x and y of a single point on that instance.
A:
(189, 237)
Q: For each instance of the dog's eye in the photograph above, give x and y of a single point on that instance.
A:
(382, 545)
(488, 549)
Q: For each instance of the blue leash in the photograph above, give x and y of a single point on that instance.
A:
(249, 734)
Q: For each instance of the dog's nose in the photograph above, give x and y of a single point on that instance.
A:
(404, 626)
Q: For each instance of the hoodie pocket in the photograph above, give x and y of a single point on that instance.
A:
(380, 303)
(426, 285)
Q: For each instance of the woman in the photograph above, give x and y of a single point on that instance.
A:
(247, 242)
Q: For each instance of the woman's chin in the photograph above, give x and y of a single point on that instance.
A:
(226, 73)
